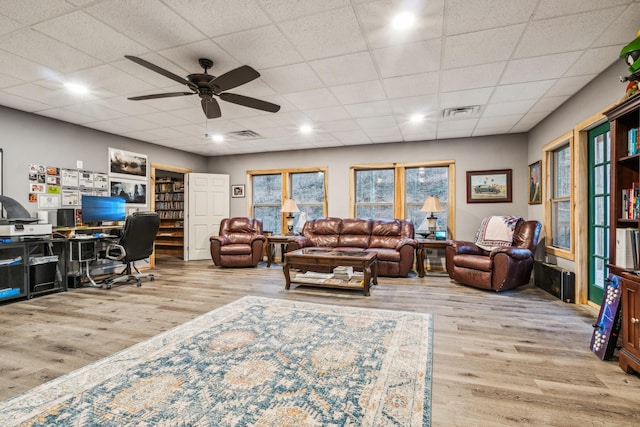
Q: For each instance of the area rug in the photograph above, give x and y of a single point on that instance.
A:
(254, 362)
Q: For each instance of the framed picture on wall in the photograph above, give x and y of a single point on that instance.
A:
(535, 183)
(133, 192)
(126, 164)
(489, 186)
(237, 190)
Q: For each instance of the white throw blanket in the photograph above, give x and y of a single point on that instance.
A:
(496, 231)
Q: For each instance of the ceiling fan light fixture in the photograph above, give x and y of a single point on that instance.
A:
(403, 20)
(76, 88)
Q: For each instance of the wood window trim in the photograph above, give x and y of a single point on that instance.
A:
(548, 151)
(400, 186)
(285, 175)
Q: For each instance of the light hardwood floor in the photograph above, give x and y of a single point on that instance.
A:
(516, 358)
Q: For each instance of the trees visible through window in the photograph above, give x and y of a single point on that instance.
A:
(400, 190)
(375, 193)
(422, 182)
(269, 189)
(307, 189)
(267, 200)
(561, 197)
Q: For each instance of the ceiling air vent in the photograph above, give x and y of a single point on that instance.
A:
(461, 112)
(244, 135)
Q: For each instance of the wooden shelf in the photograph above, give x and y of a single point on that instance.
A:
(169, 199)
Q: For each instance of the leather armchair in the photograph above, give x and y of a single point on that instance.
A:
(499, 269)
(239, 243)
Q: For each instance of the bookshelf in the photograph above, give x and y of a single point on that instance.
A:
(624, 224)
(169, 204)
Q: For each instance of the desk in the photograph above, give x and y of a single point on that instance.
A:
(273, 240)
(423, 245)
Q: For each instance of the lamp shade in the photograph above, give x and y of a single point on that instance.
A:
(289, 205)
(431, 204)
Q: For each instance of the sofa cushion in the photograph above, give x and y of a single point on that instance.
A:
(235, 249)
(385, 254)
(355, 233)
(474, 262)
(385, 233)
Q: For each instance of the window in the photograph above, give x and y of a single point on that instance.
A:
(267, 200)
(422, 182)
(559, 205)
(269, 188)
(399, 191)
(307, 189)
(375, 192)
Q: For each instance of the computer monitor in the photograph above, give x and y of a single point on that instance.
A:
(96, 209)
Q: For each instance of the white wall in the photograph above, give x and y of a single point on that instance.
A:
(480, 153)
(30, 139)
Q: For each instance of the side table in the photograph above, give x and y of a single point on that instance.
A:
(421, 251)
(276, 240)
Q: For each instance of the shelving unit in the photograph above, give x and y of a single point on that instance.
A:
(32, 267)
(625, 175)
(169, 204)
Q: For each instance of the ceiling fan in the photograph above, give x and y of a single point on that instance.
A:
(206, 86)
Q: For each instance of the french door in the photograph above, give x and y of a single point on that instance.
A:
(599, 215)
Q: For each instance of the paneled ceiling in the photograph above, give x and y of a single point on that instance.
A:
(336, 66)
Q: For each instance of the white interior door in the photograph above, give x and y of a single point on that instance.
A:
(207, 202)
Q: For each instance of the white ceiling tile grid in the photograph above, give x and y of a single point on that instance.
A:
(338, 66)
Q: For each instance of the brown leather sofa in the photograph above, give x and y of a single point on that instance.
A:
(239, 243)
(392, 240)
(499, 269)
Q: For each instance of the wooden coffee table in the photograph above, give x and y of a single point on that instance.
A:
(310, 258)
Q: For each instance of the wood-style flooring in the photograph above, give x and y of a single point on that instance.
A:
(515, 358)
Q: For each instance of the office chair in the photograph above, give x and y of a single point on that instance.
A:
(135, 244)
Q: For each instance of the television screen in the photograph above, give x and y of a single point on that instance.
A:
(99, 208)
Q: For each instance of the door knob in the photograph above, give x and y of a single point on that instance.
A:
(634, 320)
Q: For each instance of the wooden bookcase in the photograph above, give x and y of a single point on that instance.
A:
(169, 204)
(625, 174)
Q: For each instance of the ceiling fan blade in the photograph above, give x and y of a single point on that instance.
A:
(246, 101)
(234, 78)
(160, 95)
(159, 70)
(211, 108)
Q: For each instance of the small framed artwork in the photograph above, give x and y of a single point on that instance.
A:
(127, 165)
(535, 187)
(133, 192)
(490, 186)
(237, 190)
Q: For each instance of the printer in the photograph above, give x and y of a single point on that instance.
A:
(19, 222)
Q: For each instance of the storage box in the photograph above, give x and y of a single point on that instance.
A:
(42, 274)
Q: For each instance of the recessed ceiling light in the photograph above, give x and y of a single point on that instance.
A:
(403, 20)
(76, 88)
(306, 129)
(416, 118)
(217, 137)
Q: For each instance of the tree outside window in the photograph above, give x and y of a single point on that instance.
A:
(267, 201)
(375, 193)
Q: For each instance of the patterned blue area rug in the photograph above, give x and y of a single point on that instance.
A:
(254, 362)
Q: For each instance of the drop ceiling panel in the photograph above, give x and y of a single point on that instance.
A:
(218, 17)
(150, 22)
(262, 47)
(312, 38)
(335, 65)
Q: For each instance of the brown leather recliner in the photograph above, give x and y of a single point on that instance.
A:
(239, 243)
(500, 269)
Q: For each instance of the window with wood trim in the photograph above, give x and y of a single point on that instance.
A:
(399, 191)
(559, 231)
(269, 188)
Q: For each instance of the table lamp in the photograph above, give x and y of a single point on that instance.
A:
(289, 207)
(431, 204)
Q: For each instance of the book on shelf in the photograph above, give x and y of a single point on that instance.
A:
(632, 141)
(343, 272)
(627, 248)
(630, 202)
